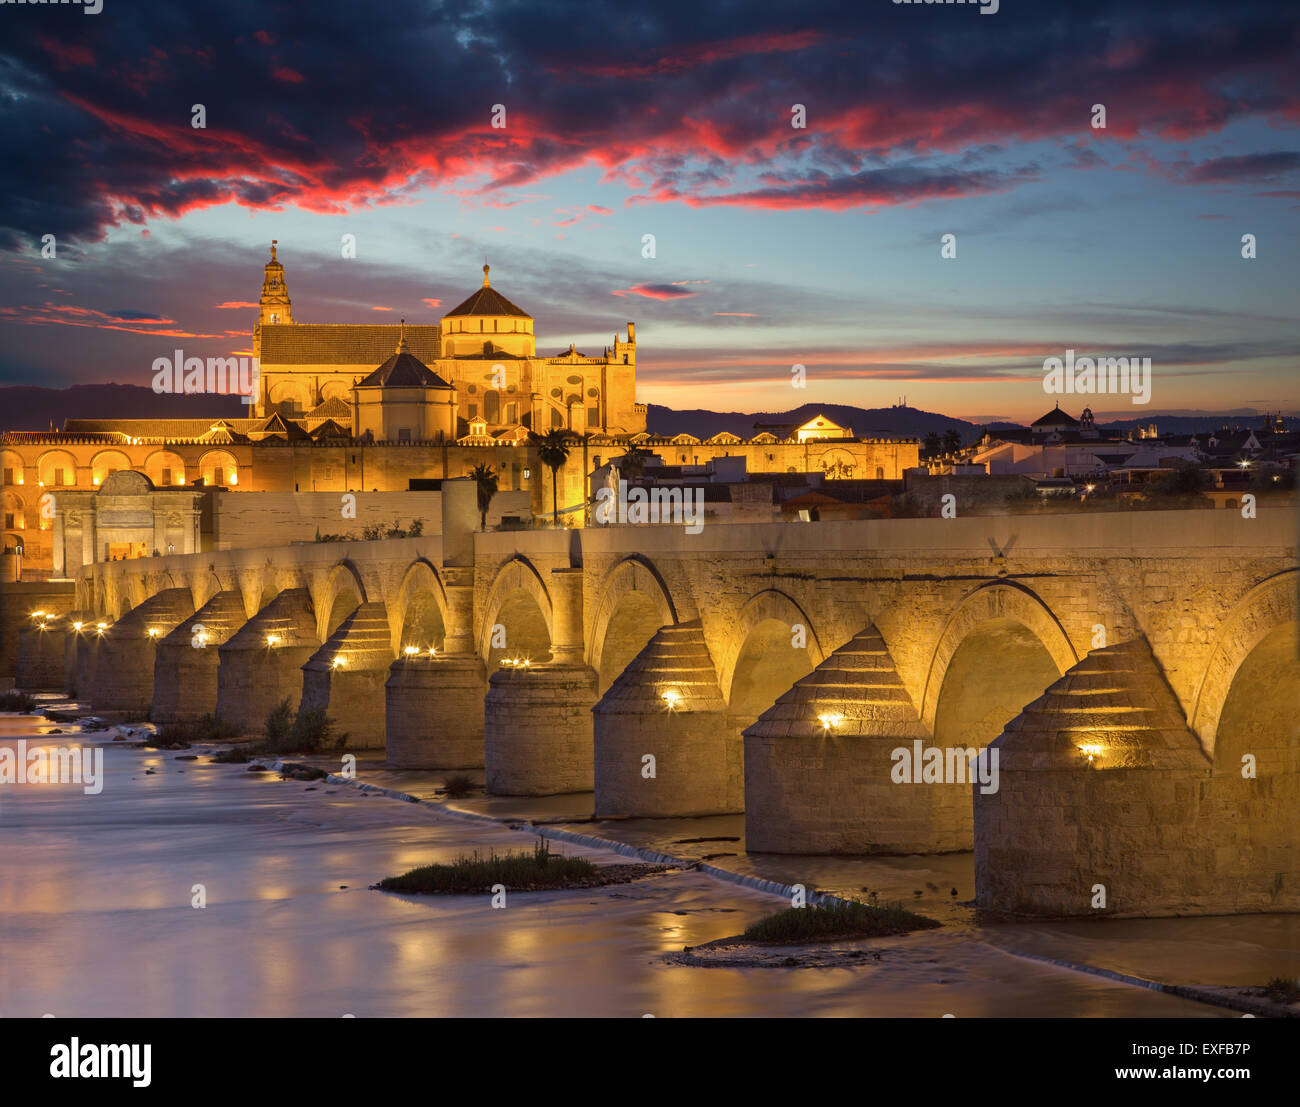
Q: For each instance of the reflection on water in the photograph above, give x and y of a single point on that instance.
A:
(95, 909)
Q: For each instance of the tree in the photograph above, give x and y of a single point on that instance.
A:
(930, 444)
(552, 451)
(951, 441)
(632, 464)
(486, 479)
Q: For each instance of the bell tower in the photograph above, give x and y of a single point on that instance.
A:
(274, 305)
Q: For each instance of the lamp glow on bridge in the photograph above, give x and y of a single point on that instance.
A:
(77, 626)
(671, 697)
(433, 652)
(272, 640)
(38, 614)
(830, 720)
(339, 662)
(411, 651)
(1091, 752)
(153, 632)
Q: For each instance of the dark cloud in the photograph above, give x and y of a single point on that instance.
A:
(361, 103)
(1247, 167)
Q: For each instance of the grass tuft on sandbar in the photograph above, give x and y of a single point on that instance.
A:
(518, 870)
(835, 921)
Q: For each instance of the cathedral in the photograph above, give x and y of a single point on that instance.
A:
(476, 371)
(376, 408)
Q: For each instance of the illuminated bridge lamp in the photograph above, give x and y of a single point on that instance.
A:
(38, 614)
(671, 697)
(411, 651)
(272, 640)
(339, 662)
(153, 632)
(77, 626)
(432, 652)
(1091, 752)
(830, 721)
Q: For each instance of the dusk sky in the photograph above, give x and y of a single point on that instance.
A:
(775, 245)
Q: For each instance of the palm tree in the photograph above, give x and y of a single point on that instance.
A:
(487, 481)
(930, 444)
(553, 451)
(632, 464)
(951, 441)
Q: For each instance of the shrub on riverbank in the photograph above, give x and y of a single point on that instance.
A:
(835, 921)
(13, 700)
(518, 870)
(1282, 990)
(458, 785)
(308, 731)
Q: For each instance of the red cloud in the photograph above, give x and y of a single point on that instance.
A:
(655, 291)
(240, 304)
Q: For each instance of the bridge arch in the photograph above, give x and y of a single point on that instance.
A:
(342, 592)
(994, 606)
(761, 614)
(520, 604)
(1268, 607)
(634, 603)
(203, 586)
(417, 614)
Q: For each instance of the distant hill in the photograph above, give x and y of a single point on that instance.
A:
(910, 422)
(25, 407)
(895, 422)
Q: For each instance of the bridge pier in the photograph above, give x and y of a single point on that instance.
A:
(818, 765)
(666, 704)
(345, 678)
(434, 705)
(434, 713)
(537, 720)
(1147, 823)
(42, 654)
(261, 663)
(80, 623)
(185, 674)
(128, 651)
(87, 644)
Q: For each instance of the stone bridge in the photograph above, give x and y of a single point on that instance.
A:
(1135, 671)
